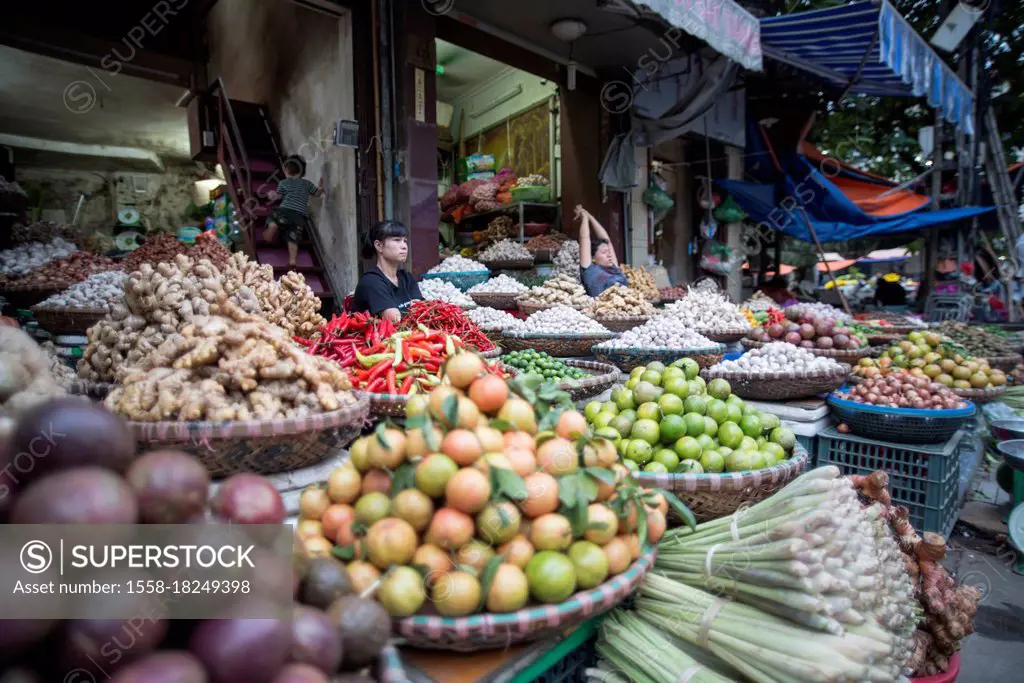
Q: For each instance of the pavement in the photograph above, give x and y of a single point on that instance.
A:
(979, 554)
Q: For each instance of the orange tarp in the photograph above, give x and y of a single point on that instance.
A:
(866, 195)
(835, 265)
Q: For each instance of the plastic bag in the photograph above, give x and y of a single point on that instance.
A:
(657, 198)
(717, 258)
(729, 211)
(476, 163)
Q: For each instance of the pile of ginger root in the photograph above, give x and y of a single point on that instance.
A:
(948, 609)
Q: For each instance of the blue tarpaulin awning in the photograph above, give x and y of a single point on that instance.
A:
(870, 49)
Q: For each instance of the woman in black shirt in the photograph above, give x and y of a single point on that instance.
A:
(385, 288)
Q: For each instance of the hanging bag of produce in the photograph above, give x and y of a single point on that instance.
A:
(729, 211)
(657, 198)
(717, 258)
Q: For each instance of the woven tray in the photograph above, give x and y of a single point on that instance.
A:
(493, 353)
(384, 405)
(883, 339)
(980, 395)
(463, 280)
(499, 300)
(627, 359)
(498, 631)
(1005, 363)
(623, 323)
(847, 355)
(558, 345)
(899, 425)
(67, 320)
(512, 264)
(728, 336)
(780, 386)
(260, 446)
(95, 390)
(26, 296)
(710, 496)
(602, 378)
(530, 309)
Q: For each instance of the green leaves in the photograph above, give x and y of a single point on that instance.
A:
(600, 474)
(507, 485)
(680, 508)
(450, 406)
(576, 492)
(503, 425)
(379, 432)
(403, 478)
(487, 578)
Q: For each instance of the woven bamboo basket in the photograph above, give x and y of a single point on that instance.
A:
(1005, 363)
(558, 345)
(980, 395)
(627, 359)
(384, 405)
(710, 496)
(499, 300)
(67, 320)
(497, 631)
(27, 296)
(602, 378)
(883, 339)
(463, 280)
(493, 353)
(260, 446)
(727, 336)
(94, 390)
(511, 264)
(780, 386)
(844, 354)
(530, 309)
(623, 323)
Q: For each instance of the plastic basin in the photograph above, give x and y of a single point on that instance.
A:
(1007, 429)
(1013, 451)
(948, 677)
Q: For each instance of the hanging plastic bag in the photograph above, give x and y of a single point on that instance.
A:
(658, 199)
(729, 211)
(717, 258)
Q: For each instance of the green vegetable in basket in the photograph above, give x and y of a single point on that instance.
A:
(540, 363)
(672, 408)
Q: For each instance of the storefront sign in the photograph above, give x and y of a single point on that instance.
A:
(722, 24)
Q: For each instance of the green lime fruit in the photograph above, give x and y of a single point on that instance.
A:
(784, 437)
(751, 425)
(773, 453)
(749, 409)
(592, 409)
(631, 465)
(718, 410)
(670, 404)
(696, 388)
(632, 382)
(621, 446)
(639, 451)
(637, 371)
(733, 412)
(672, 372)
(590, 563)
(730, 434)
(710, 426)
(621, 423)
(645, 392)
(656, 365)
(656, 468)
(735, 400)
(769, 421)
(610, 407)
(688, 448)
(712, 461)
(629, 413)
(706, 442)
(648, 411)
(550, 576)
(673, 427)
(758, 460)
(647, 430)
(603, 419)
(724, 451)
(652, 376)
(667, 458)
(610, 433)
(739, 461)
(689, 366)
(625, 401)
(678, 386)
(694, 424)
(690, 467)
(696, 405)
(719, 388)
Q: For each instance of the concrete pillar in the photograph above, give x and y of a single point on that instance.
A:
(638, 243)
(734, 283)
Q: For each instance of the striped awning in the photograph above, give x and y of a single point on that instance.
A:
(871, 49)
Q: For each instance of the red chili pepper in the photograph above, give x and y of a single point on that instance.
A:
(406, 385)
(376, 386)
(379, 369)
(392, 389)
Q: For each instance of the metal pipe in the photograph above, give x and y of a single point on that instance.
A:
(375, 77)
(387, 90)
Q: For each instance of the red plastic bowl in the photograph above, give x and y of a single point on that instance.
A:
(534, 229)
(948, 677)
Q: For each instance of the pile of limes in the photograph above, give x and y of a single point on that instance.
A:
(668, 420)
(549, 367)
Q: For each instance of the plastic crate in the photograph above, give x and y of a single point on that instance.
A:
(924, 478)
(531, 193)
(567, 660)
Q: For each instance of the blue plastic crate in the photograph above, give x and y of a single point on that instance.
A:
(924, 478)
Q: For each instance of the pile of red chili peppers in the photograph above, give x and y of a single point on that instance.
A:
(380, 360)
(438, 315)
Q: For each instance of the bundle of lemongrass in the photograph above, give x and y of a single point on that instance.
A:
(811, 555)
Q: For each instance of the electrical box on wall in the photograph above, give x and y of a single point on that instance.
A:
(346, 133)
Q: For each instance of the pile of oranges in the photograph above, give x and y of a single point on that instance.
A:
(475, 506)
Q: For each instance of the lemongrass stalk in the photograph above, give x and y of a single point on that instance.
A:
(793, 598)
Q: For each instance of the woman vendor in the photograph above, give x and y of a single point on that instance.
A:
(385, 288)
(599, 267)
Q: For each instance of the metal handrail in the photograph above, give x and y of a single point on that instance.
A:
(235, 131)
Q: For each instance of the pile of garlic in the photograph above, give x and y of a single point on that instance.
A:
(97, 291)
(457, 264)
(779, 358)
(491, 319)
(708, 312)
(503, 284)
(440, 290)
(506, 250)
(561, 319)
(659, 333)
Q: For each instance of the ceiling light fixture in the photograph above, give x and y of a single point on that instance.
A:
(569, 31)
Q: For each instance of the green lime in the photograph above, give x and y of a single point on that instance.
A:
(689, 366)
(694, 424)
(774, 451)
(609, 433)
(610, 407)
(784, 437)
(688, 448)
(724, 451)
(770, 422)
(655, 467)
(672, 427)
(696, 387)
(690, 467)
(695, 405)
(749, 409)
(631, 465)
(625, 400)
(670, 404)
(603, 419)
(637, 371)
(645, 392)
(730, 434)
(739, 461)
(652, 376)
(710, 426)
(719, 388)
(629, 413)
(678, 386)
(758, 460)
(706, 442)
(712, 461)
(751, 425)
(551, 576)
(656, 365)
(590, 563)
(735, 400)
(734, 413)
(639, 451)
(592, 409)
(621, 446)
(648, 411)
(621, 424)
(718, 410)
(670, 373)
(748, 444)
(632, 382)
(667, 458)
(647, 430)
